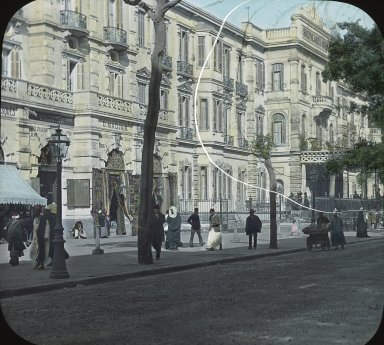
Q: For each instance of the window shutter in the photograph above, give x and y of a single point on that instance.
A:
(186, 112)
(120, 85)
(69, 78)
(215, 116)
(119, 13)
(15, 73)
(180, 112)
(220, 116)
(189, 182)
(80, 76)
(282, 77)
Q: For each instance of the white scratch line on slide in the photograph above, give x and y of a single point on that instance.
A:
(307, 286)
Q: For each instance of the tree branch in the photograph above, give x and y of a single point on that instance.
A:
(169, 5)
(143, 5)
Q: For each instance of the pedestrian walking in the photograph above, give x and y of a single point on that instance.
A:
(294, 229)
(43, 239)
(253, 226)
(156, 226)
(194, 221)
(361, 225)
(337, 234)
(166, 243)
(215, 238)
(15, 238)
(174, 228)
(122, 212)
(51, 217)
(372, 219)
(102, 222)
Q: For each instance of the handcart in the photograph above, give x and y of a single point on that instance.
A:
(317, 234)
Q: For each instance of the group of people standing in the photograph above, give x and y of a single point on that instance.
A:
(167, 228)
(43, 233)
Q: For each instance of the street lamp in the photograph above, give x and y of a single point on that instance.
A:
(58, 143)
(313, 178)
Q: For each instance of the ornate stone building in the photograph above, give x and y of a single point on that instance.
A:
(85, 68)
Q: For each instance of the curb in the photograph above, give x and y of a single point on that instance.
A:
(121, 276)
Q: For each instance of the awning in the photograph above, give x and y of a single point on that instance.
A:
(15, 190)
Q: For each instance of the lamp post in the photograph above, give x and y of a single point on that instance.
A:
(313, 178)
(58, 143)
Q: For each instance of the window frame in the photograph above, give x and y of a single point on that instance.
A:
(280, 119)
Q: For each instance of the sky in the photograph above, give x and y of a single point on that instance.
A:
(269, 14)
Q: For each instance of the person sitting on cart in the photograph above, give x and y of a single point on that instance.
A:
(322, 220)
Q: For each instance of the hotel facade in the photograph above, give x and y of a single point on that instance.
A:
(84, 65)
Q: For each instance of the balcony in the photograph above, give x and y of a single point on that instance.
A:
(186, 133)
(323, 103)
(243, 143)
(241, 89)
(228, 83)
(184, 69)
(74, 22)
(167, 63)
(228, 140)
(115, 37)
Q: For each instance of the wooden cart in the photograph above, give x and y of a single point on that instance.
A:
(317, 235)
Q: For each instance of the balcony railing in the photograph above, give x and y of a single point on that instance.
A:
(167, 62)
(115, 35)
(241, 89)
(228, 83)
(73, 19)
(186, 133)
(184, 69)
(322, 101)
(243, 143)
(228, 140)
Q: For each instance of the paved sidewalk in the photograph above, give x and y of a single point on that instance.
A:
(119, 260)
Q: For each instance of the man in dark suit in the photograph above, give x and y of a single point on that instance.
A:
(252, 227)
(157, 230)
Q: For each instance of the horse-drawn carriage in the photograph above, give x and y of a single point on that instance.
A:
(317, 234)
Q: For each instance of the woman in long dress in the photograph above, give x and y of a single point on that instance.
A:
(174, 228)
(214, 236)
(122, 212)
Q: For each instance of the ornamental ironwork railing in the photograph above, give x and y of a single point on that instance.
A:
(186, 133)
(228, 83)
(241, 89)
(184, 68)
(73, 19)
(243, 143)
(228, 140)
(115, 35)
(167, 62)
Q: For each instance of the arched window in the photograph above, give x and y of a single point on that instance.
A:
(279, 129)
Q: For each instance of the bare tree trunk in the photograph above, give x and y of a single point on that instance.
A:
(146, 180)
(272, 203)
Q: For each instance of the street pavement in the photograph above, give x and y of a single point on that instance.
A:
(119, 260)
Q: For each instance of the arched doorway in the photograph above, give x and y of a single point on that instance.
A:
(115, 181)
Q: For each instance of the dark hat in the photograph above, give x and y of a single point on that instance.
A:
(212, 210)
(252, 210)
